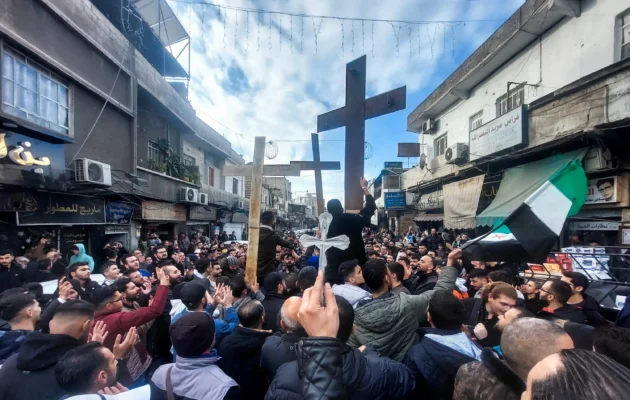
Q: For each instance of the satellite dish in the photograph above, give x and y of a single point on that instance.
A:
(423, 161)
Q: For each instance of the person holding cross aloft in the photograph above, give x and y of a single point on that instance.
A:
(350, 225)
(267, 243)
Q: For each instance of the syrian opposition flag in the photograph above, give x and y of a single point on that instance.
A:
(529, 233)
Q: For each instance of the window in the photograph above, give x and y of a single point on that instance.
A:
(624, 26)
(209, 160)
(188, 160)
(32, 93)
(439, 145)
(155, 154)
(516, 99)
(210, 176)
(234, 185)
(476, 120)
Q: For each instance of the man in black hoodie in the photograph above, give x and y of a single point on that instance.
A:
(352, 226)
(240, 351)
(30, 374)
(589, 306)
(267, 242)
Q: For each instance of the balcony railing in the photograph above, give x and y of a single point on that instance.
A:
(223, 198)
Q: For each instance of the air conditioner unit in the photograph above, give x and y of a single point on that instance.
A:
(391, 182)
(203, 198)
(94, 172)
(456, 153)
(597, 159)
(188, 195)
(429, 126)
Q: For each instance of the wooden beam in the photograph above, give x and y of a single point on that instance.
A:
(253, 236)
(331, 120)
(321, 165)
(319, 189)
(268, 170)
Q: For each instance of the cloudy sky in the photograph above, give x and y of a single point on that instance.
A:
(258, 73)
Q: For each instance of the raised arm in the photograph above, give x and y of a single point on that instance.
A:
(370, 204)
(446, 281)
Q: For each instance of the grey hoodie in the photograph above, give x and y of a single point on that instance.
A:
(389, 324)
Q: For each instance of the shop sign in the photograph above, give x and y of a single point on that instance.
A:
(594, 226)
(602, 190)
(503, 133)
(117, 212)
(62, 209)
(393, 164)
(158, 211)
(395, 200)
(430, 201)
(30, 162)
(202, 213)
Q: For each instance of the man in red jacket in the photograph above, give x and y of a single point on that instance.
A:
(108, 301)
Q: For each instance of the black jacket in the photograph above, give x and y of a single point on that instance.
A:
(476, 312)
(425, 282)
(278, 350)
(11, 277)
(590, 309)
(240, 359)
(435, 365)
(534, 305)
(432, 242)
(567, 312)
(352, 226)
(365, 376)
(30, 374)
(267, 242)
(273, 303)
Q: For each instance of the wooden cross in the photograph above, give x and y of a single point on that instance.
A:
(341, 242)
(257, 170)
(318, 166)
(357, 110)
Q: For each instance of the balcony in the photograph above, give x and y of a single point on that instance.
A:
(227, 199)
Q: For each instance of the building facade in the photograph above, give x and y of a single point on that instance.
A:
(96, 145)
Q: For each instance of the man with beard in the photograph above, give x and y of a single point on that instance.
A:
(11, 275)
(92, 368)
(288, 263)
(109, 303)
(275, 295)
(268, 242)
(433, 240)
(143, 284)
(555, 295)
(589, 306)
(130, 295)
(231, 267)
(352, 226)
(30, 374)
(80, 271)
(159, 254)
(531, 292)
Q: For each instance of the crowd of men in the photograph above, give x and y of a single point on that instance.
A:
(404, 316)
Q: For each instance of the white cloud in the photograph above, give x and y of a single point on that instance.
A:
(281, 92)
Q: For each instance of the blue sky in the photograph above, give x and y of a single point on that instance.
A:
(258, 74)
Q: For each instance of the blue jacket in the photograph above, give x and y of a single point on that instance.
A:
(222, 328)
(435, 360)
(82, 257)
(365, 376)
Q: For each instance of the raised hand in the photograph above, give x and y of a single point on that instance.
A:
(99, 332)
(227, 297)
(318, 320)
(65, 289)
(122, 348)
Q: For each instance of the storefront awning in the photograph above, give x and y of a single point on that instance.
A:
(460, 203)
(429, 217)
(520, 182)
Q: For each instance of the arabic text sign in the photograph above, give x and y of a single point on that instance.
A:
(60, 209)
(594, 226)
(395, 200)
(26, 161)
(602, 190)
(118, 212)
(507, 131)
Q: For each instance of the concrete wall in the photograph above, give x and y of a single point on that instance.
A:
(573, 49)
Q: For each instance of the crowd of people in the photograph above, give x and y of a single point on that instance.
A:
(403, 317)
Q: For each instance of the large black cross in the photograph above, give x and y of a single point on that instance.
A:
(357, 110)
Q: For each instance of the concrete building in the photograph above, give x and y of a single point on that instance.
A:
(84, 89)
(554, 78)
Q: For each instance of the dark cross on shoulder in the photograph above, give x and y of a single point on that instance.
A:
(353, 116)
(318, 166)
